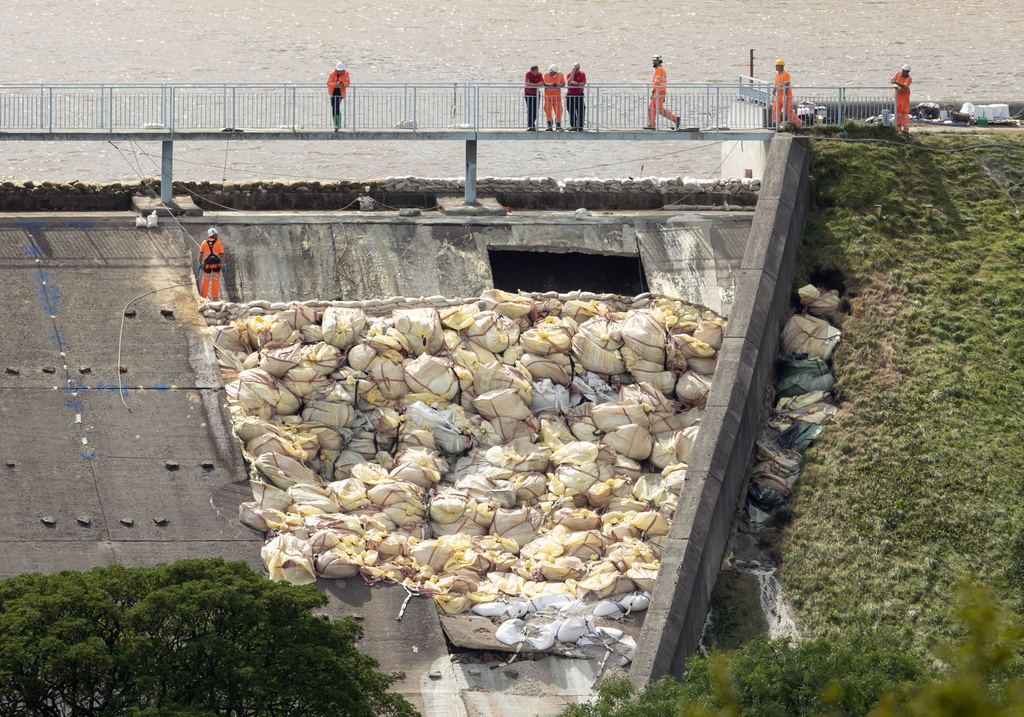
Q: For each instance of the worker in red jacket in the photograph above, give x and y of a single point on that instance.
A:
(901, 83)
(211, 264)
(337, 83)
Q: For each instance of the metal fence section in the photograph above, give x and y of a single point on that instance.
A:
(742, 105)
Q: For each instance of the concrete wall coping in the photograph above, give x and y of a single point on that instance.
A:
(724, 446)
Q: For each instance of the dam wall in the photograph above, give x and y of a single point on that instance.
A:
(725, 444)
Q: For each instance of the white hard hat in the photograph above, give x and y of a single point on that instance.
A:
(656, 58)
(907, 68)
(212, 232)
(340, 66)
(553, 68)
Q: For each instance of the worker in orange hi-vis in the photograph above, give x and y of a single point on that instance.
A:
(337, 82)
(659, 85)
(782, 97)
(554, 81)
(211, 264)
(901, 83)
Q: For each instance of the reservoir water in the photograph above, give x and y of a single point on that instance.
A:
(963, 50)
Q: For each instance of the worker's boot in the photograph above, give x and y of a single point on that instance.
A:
(549, 126)
(558, 126)
(337, 122)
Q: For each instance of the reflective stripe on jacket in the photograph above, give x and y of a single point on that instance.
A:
(336, 79)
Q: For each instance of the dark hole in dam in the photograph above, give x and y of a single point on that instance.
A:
(548, 271)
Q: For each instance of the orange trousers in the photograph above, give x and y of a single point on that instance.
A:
(553, 107)
(782, 110)
(903, 111)
(209, 287)
(657, 107)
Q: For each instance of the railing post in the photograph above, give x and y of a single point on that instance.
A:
(166, 171)
(352, 94)
(233, 117)
(111, 122)
(295, 108)
(718, 108)
(839, 104)
(470, 197)
(415, 118)
(596, 114)
(170, 118)
(51, 109)
(102, 114)
(42, 104)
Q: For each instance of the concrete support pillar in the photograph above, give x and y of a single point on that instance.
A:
(166, 171)
(470, 171)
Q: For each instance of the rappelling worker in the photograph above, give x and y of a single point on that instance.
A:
(211, 264)
(659, 85)
(554, 81)
(337, 83)
(782, 97)
(901, 83)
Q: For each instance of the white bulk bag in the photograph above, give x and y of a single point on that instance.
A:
(342, 326)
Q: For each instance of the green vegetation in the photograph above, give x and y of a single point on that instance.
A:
(856, 674)
(916, 487)
(919, 482)
(197, 638)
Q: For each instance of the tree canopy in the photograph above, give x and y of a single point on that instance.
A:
(198, 637)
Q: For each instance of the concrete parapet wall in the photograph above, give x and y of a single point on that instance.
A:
(312, 195)
(724, 446)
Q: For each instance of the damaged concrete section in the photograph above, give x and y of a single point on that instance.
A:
(283, 257)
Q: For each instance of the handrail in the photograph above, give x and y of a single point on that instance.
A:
(475, 106)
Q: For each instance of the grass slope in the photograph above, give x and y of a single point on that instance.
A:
(919, 482)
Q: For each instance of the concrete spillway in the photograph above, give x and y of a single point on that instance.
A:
(150, 473)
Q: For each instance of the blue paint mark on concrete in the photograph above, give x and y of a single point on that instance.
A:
(161, 387)
(75, 405)
(89, 455)
(30, 225)
(80, 224)
(33, 249)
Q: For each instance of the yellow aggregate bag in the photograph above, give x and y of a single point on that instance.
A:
(342, 326)
(554, 432)
(650, 522)
(604, 584)
(314, 496)
(495, 376)
(589, 355)
(818, 302)
(612, 414)
(810, 335)
(459, 317)
(342, 561)
(421, 328)
(487, 488)
(692, 389)
(277, 360)
(630, 552)
(360, 356)
(584, 544)
(711, 332)
(290, 559)
(492, 331)
(505, 403)
(419, 467)
(284, 471)
(388, 376)
(274, 443)
(519, 524)
(529, 486)
(513, 306)
(268, 330)
(323, 357)
(555, 367)
(260, 395)
(269, 496)
(508, 583)
(632, 440)
(643, 576)
(550, 335)
(642, 333)
(305, 381)
(601, 331)
(429, 374)
(330, 413)
(520, 455)
(350, 494)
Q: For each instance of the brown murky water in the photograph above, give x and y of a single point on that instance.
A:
(964, 50)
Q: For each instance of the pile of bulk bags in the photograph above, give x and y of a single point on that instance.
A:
(483, 453)
(805, 402)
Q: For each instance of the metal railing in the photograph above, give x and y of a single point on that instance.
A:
(744, 105)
